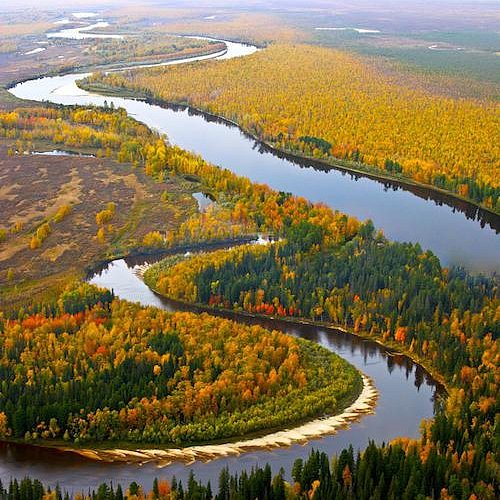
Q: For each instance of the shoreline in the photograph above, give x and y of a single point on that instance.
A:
(321, 164)
(470, 207)
(364, 404)
(390, 347)
(403, 182)
(143, 252)
(110, 67)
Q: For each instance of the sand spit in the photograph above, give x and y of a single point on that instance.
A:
(364, 405)
(35, 51)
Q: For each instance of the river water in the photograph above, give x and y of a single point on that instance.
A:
(407, 394)
(459, 233)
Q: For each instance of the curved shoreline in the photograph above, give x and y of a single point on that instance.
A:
(485, 214)
(113, 69)
(390, 348)
(141, 252)
(403, 183)
(363, 405)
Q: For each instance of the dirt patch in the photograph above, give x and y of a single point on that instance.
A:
(34, 188)
(53, 253)
(6, 191)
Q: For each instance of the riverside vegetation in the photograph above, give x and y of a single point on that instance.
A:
(69, 212)
(388, 472)
(399, 295)
(330, 105)
(91, 368)
(332, 268)
(354, 277)
(63, 391)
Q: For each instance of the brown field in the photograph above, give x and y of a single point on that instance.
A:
(10, 30)
(33, 188)
(17, 66)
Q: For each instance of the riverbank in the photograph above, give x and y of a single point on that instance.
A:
(327, 385)
(405, 393)
(214, 52)
(141, 252)
(391, 347)
(418, 188)
(364, 405)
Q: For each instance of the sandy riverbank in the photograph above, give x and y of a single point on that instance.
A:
(364, 405)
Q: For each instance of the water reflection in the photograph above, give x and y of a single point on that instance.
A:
(407, 395)
(456, 231)
(471, 211)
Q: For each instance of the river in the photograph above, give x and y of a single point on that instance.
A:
(407, 394)
(456, 231)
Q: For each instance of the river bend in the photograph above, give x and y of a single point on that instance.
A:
(407, 393)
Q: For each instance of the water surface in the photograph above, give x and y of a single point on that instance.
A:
(407, 395)
(458, 232)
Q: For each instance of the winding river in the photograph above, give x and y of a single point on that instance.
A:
(457, 231)
(407, 393)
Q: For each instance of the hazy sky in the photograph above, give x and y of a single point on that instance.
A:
(473, 12)
(230, 3)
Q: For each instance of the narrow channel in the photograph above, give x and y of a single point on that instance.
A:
(406, 396)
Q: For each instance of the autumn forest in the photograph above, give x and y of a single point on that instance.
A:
(179, 322)
(331, 105)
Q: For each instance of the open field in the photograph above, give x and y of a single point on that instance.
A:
(33, 189)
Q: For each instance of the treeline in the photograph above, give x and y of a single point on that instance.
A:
(92, 368)
(107, 131)
(392, 292)
(241, 207)
(148, 47)
(330, 105)
(351, 276)
(402, 470)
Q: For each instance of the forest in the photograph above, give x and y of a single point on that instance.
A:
(86, 369)
(332, 267)
(91, 368)
(403, 470)
(335, 106)
(108, 132)
(392, 292)
(148, 48)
